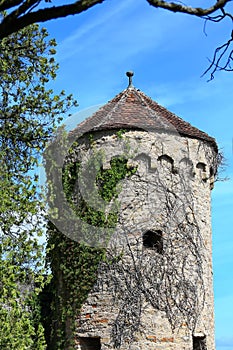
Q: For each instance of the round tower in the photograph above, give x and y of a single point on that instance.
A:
(138, 180)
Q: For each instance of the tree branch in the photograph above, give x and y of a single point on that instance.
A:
(5, 5)
(26, 12)
(195, 11)
(22, 9)
(216, 62)
(20, 17)
(11, 23)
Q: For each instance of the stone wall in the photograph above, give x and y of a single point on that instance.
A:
(149, 297)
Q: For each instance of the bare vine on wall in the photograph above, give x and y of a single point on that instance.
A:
(166, 279)
(165, 272)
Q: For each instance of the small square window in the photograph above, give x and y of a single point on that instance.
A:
(199, 343)
(153, 240)
(89, 343)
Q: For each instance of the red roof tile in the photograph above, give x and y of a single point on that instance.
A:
(132, 109)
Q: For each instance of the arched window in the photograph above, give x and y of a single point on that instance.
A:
(186, 167)
(147, 161)
(153, 240)
(167, 162)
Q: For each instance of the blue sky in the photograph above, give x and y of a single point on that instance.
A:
(168, 53)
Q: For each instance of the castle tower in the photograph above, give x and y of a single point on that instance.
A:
(142, 194)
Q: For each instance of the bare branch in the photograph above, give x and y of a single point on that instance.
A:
(219, 55)
(195, 11)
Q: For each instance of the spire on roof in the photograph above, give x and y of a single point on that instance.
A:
(130, 75)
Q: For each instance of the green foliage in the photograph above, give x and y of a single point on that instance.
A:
(28, 115)
(69, 179)
(84, 210)
(108, 180)
(120, 133)
(74, 269)
(21, 280)
(74, 264)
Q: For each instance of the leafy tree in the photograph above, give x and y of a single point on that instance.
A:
(22, 13)
(28, 115)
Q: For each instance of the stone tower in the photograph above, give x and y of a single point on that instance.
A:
(154, 287)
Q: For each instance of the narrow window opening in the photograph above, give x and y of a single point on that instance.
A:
(211, 178)
(166, 162)
(153, 240)
(199, 343)
(186, 166)
(201, 167)
(89, 343)
(211, 171)
(144, 158)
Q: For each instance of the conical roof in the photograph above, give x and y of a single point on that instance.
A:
(132, 109)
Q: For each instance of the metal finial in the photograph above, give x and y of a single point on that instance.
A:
(130, 75)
